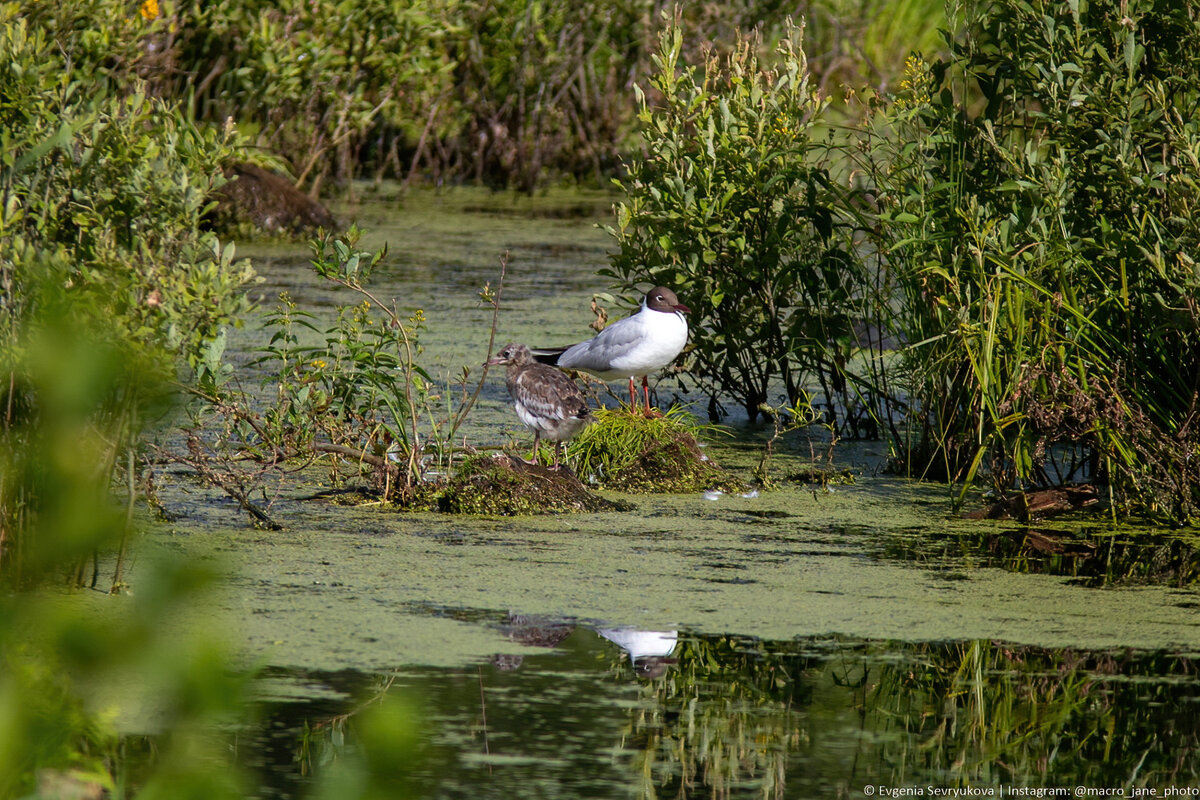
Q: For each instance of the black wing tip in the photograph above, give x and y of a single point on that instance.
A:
(547, 355)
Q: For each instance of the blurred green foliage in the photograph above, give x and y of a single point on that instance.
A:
(81, 678)
(388, 754)
(106, 281)
(309, 80)
(79, 672)
(109, 292)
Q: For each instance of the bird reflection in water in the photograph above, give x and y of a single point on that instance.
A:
(649, 651)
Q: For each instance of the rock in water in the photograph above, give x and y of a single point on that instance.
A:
(267, 201)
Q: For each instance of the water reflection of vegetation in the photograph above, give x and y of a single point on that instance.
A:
(1094, 556)
(739, 717)
(738, 712)
(726, 716)
(985, 713)
(324, 740)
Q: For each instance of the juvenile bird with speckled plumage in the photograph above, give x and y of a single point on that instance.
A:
(546, 400)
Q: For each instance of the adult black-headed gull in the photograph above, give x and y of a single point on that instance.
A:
(547, 401)
(635, 346)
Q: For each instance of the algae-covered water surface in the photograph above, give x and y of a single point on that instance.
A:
(800, 642)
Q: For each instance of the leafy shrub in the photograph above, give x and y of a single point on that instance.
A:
(106, 286)
(309, 80)
(508, 93)
(359, 385)
(102, 194)
(105, 189)
(1043, 239)
(351, 389)
(733, 207)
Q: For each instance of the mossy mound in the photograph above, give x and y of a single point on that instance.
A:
(822, 476)
(632, 452)
(505, 486)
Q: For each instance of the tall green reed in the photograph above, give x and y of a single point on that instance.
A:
(1035, 191)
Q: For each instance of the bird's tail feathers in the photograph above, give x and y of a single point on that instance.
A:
(547, 355)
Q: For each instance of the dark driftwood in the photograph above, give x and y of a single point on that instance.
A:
(1040, 504)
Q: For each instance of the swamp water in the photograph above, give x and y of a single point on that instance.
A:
(798, 643)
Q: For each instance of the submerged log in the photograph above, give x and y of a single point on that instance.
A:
(1039, 504)
(1053, 543)
(268, 201)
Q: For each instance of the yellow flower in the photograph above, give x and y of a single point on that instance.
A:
(917, 84)
(149, 9)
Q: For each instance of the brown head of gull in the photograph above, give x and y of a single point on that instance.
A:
(546, 400)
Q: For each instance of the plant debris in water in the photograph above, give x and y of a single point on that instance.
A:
(504, 485)
(633, 452)
(1041, 504)
(622, 451)
(822, 476)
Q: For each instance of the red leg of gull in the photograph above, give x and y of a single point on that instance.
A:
(536, 440)
(633, 403)
(646, 392)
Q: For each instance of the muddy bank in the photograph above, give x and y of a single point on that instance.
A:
(505, 485)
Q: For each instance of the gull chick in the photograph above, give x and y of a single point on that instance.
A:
(547, 401)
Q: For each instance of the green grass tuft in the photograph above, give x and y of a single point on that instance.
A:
(632, 452)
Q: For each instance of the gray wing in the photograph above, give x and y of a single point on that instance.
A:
(598, 352)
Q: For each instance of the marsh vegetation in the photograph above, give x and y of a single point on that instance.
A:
(981, 255)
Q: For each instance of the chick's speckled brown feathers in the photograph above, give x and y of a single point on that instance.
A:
(546, 400)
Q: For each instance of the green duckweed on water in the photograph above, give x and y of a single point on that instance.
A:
(881, 558)
(796, 608)
(362, 587)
